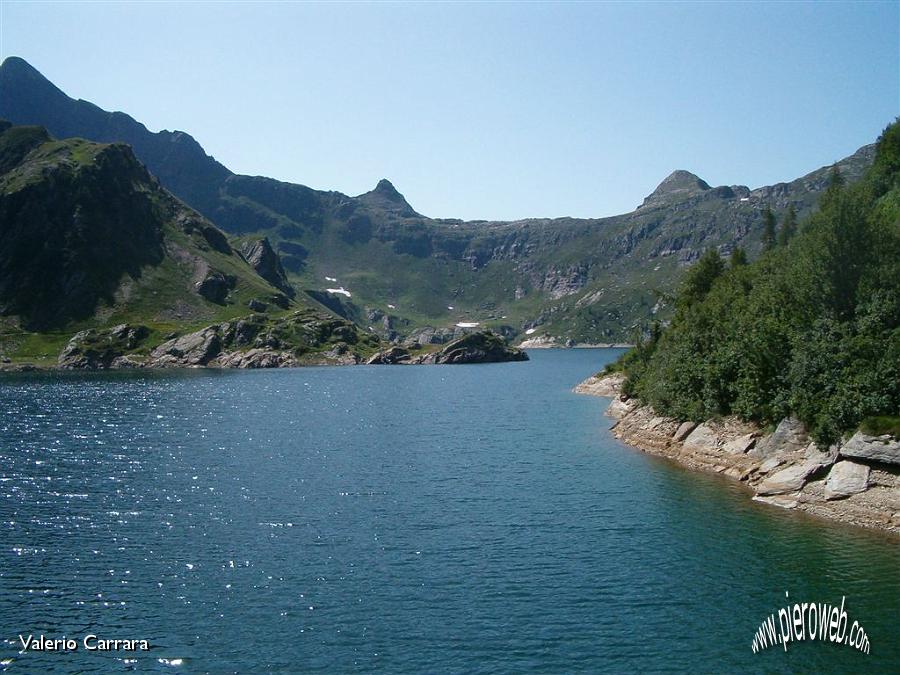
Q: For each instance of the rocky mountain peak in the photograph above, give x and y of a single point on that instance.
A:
(386, 197)
(386, 189)
(677, 185)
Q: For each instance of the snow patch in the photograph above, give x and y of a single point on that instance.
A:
(330, 279)
(530, 331)
(339, 291)
(468, 324)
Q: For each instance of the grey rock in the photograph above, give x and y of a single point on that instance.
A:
(846, 478)
(826, 458)
(770, 464)
(790, 479)
(790, 436)
(740, 445)
(215, 287)
(884, 449)
(389, 357)
(481, 347)
(257, 358)
(193, 349)
(265, 261)
(257, 305)
(702, 438)
(684, 430)
(95, 349)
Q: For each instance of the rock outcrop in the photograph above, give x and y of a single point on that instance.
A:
(602, 385)
(389, 357)
(255, 341)
(263, 258)
(857, 482)
(98, 349)
(874, 448)
(481, 347)
(478, 347)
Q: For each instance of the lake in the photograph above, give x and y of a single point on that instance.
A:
(396, 519)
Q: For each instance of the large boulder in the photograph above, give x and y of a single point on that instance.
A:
(684, 430)
(193, 349)
(790, 436)
(215, 286)
(740, 445)
(873, 448)
(790, 479)
(703, 438)
(846, 478)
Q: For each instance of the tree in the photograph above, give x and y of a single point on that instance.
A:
(738, 257)
(699, 279)
(768, 235)
(788, 227)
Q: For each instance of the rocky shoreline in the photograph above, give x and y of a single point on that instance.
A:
(260, 342)
(856, 481)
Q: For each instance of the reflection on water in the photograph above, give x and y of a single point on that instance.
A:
(461, 518)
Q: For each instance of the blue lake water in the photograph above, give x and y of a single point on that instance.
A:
(396, 519)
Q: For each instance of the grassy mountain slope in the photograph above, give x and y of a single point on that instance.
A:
(589, 280)
(89, 240)
(811, 329)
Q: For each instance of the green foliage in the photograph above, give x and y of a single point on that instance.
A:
(881, 425)
(699, 279)
(768, 234)
(788, 227)
(811, 329)
(738, 257)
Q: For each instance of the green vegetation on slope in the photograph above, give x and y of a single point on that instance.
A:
(89, 241)
(812, 328)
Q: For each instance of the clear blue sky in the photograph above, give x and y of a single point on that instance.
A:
(478, 110)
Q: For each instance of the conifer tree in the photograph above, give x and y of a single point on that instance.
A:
(788, 227)
(738, 257)
(768, 235)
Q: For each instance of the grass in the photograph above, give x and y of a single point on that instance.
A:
(881, 425)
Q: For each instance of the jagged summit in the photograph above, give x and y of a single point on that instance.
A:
(386, 196)
(678, 184)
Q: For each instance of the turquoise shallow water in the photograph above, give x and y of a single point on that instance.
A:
(396, 519)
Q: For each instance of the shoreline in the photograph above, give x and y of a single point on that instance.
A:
(856, 482)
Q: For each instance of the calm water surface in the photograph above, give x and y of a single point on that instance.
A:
(396, 519)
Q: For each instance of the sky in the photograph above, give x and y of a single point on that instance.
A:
(481, 110)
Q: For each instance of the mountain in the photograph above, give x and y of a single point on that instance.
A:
(91, 243)
(403, 274)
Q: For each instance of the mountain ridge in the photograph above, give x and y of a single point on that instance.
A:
(585, 280)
